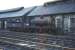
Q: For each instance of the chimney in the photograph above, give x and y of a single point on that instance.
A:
(51, 2)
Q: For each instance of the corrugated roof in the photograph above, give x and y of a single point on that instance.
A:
(11, 10)
(16, 13)
(53, 9)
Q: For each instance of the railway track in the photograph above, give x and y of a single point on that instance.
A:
(35, 40)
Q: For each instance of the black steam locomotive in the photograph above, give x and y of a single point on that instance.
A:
(36, 24)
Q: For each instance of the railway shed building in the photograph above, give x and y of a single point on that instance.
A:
(59, 16)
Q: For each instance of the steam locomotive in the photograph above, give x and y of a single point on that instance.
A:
(36, 24)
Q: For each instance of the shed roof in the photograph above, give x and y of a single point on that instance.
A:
(53, 9)
(17, 12)
(11, 10)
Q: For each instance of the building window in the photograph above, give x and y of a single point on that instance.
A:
(0, 24)
(67, 23)
(58, 21)
(72, 20)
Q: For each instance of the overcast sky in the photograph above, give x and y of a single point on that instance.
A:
(8, 4)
